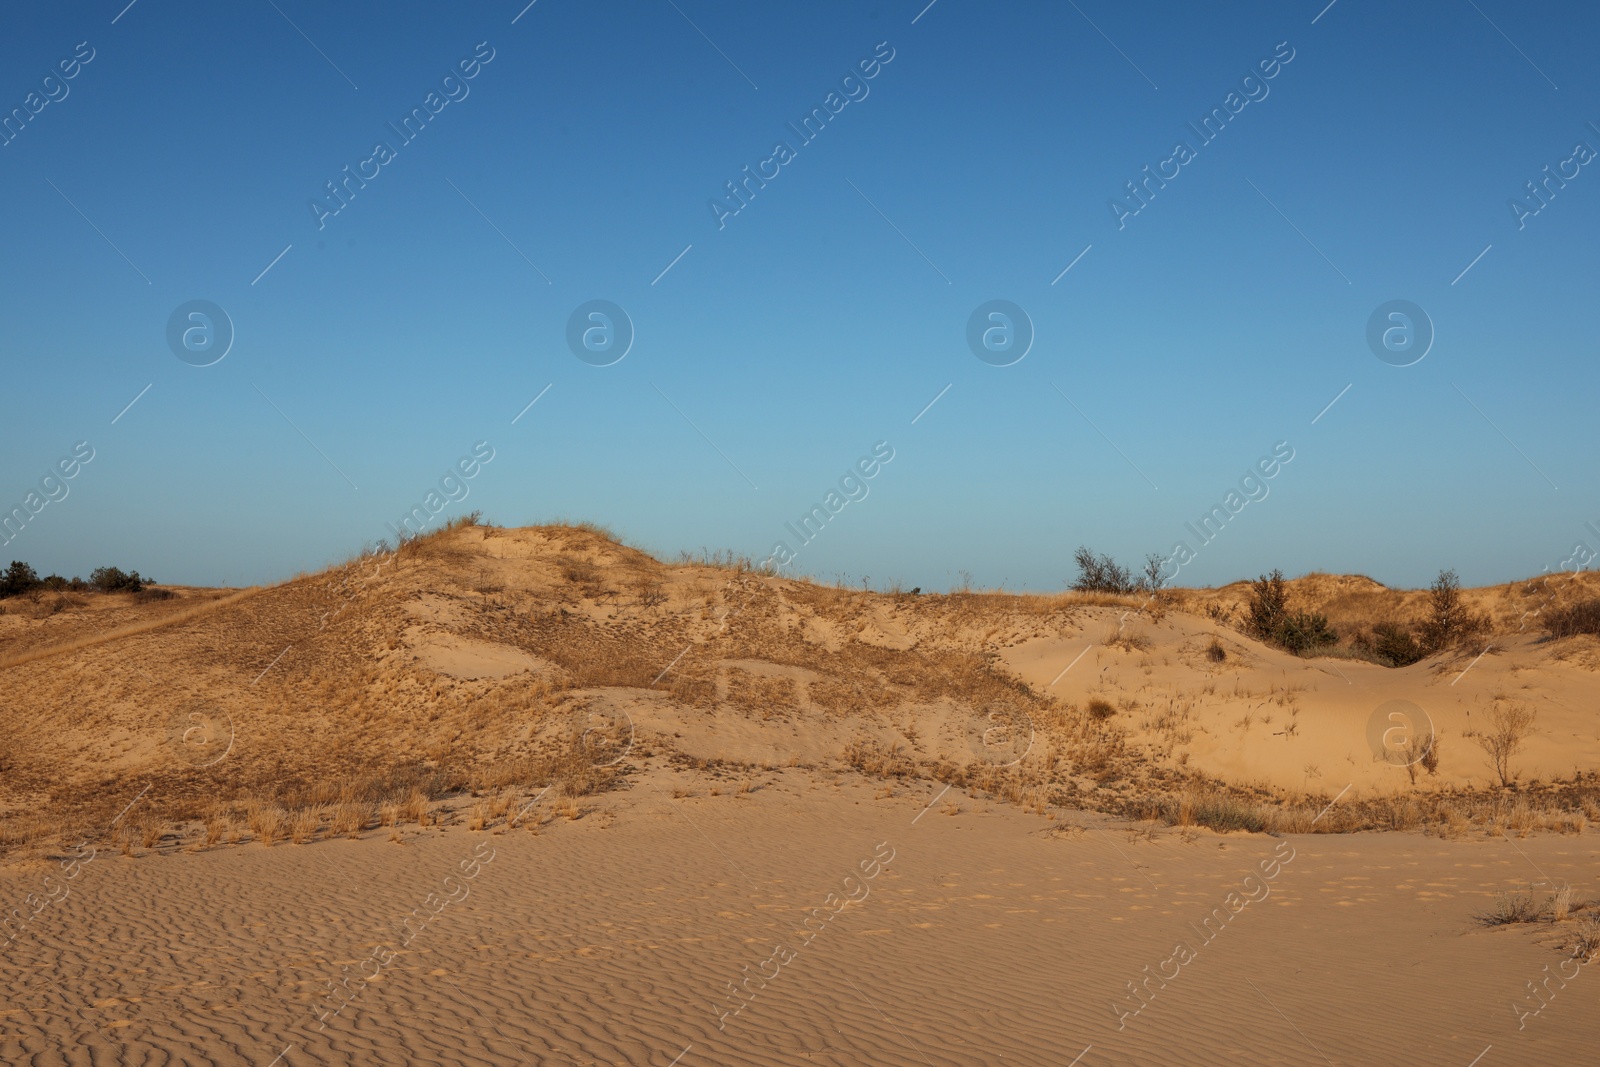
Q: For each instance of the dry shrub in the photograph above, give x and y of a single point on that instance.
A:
(1127, 638)
(1216, 810)
(870, 756)
(1452, 822)
(693, 690)
(1400, 813)
(1518, 907)
(1588, 939)
(759, 693)
(1215, 652)
(848, 696)
(1580, 618)
(1510, 725)
(1295, 819)
(1100, 709)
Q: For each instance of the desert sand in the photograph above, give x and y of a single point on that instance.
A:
(531, 796)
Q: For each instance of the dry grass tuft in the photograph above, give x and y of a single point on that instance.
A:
(350, 817)
(218, 824)
(304, 824)
(267, 822)
(415, 808)
(1561, 904)
(1216, 810)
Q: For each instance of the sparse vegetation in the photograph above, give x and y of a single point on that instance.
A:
(1587, 942)
(1510, 725)
(1270, 620)
(1448, 620)
(1217, 811)
(418, 747)
(1394, 645)
(1100, 709)
(1521, 906)
(1580, 618)
(1421, 751)
(1101, 574)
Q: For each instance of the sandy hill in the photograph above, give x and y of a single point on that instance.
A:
(478, 662)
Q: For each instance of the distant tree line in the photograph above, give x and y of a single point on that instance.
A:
(19, 579)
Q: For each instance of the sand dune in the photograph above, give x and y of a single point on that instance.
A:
(556, 801)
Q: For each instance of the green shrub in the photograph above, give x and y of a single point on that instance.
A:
(1270, 620)
(1448, 619)
(1395, 645)
(19, 578)
(1304, 632)
(1269, 604)
(116, 580)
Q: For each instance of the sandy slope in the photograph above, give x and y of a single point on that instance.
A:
(684, 919)
(441, 656)
(988, 936)
(1330, 702)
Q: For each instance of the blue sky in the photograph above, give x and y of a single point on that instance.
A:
(825, 315)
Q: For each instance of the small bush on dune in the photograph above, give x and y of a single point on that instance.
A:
(1304, 632)
(1101, 574)
(1270, 620)
(1510, 725)
(1448, 620)
(1580, 618)
(1100, 710)
(1393, 644)
(1518, 907)
(1269, 603)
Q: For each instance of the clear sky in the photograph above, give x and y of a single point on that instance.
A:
(374, 346)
